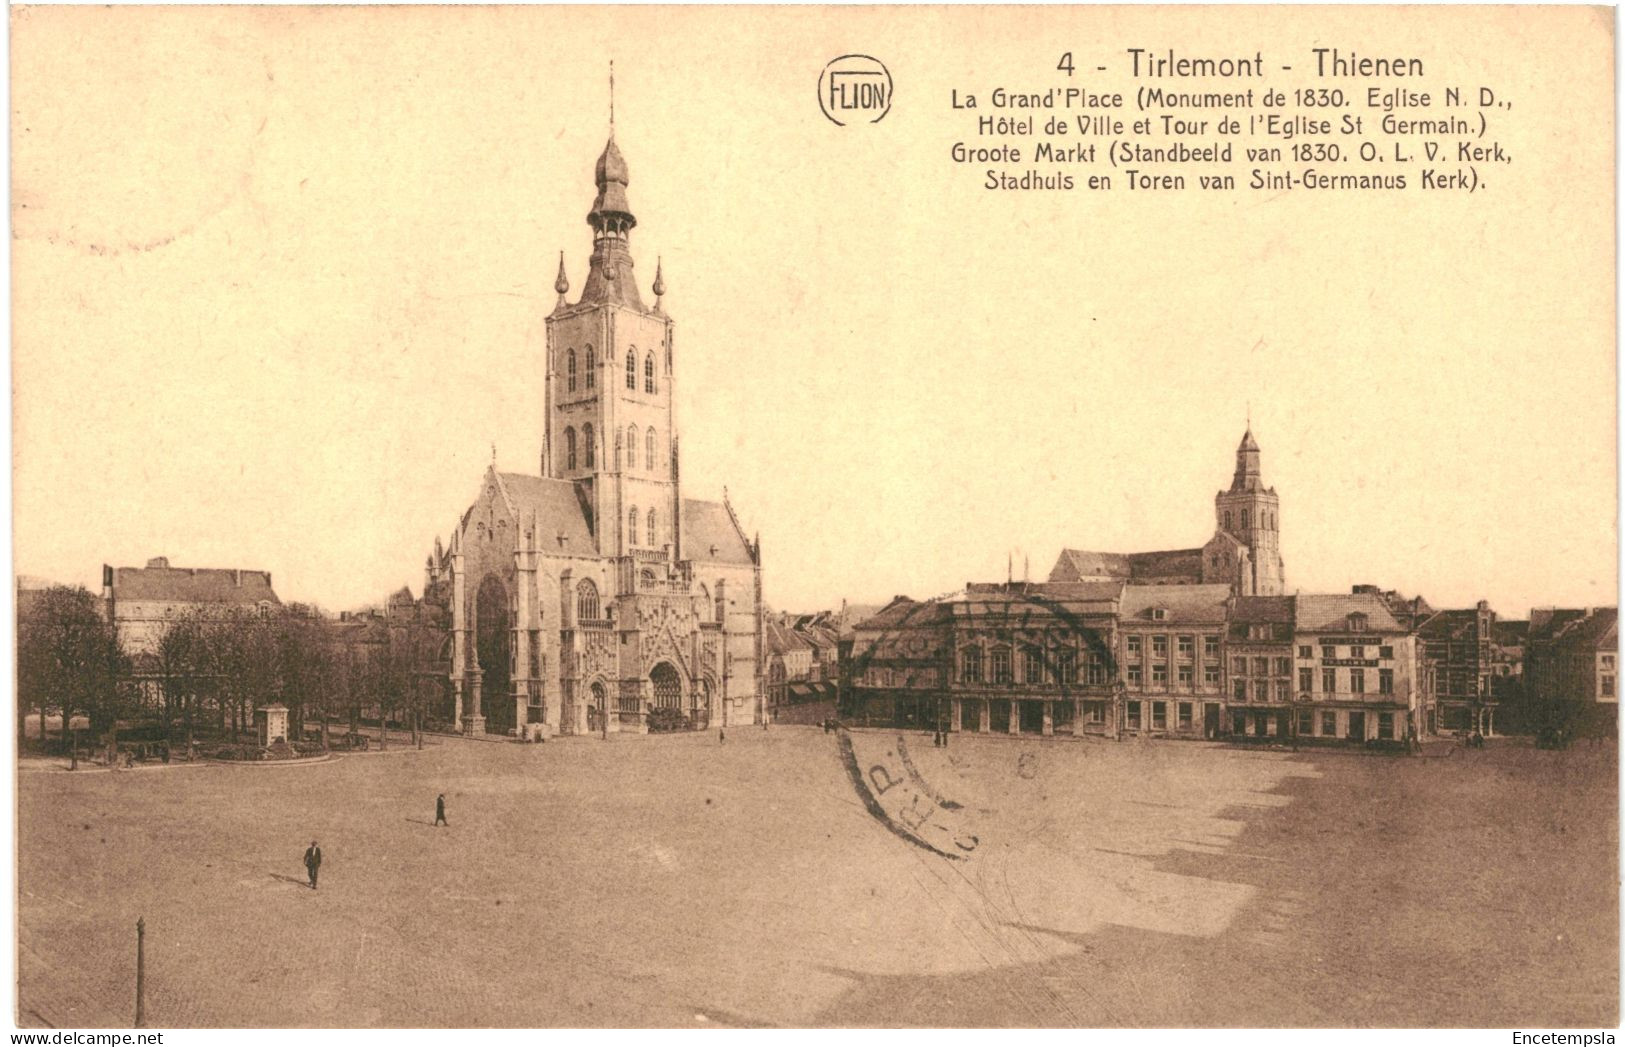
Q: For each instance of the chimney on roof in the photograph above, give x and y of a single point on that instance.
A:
(158, 561)
(1366, 590)
(237, 577)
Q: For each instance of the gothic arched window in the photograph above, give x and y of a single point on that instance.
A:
(631, 370)
(649, 373)
(705, 603)
(587, 600)
(631, 447)
(653, 540)
(1246, 519)
(649, 449)
(570, 369)
(592, 368)
(632, 526)
(722, 603)
(586, 432)
(569, 448)
(1227, 519)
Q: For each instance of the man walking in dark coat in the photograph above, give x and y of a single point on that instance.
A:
(440, 811)
(313, 862)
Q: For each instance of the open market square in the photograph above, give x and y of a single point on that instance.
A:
(687, 881)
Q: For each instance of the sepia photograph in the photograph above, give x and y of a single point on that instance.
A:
(787, 517)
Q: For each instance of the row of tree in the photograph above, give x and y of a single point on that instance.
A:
(207, 673)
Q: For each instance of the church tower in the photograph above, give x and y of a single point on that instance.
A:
(609, 389)
(1249, 514)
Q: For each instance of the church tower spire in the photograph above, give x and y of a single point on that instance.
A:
(609, 274)
(1249, 474)
(1249, 514)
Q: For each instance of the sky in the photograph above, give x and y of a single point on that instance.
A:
(279, 280)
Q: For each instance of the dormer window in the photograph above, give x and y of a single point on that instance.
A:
(1358, 623)
(1159, 614)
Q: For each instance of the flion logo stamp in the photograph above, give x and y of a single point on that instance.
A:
(855, 89)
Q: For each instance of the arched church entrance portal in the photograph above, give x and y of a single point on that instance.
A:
(597, 699)
(667, 687)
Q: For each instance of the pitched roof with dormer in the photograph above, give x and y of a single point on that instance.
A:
(779, 638)
(1597, 629)
(1329, 613)
(1179, 604)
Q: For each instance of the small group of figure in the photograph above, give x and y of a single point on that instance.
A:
(313, 853)
(940, 739)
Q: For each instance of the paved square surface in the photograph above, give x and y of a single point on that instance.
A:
(673, 881)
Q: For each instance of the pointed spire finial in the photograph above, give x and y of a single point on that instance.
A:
(493, 454)
(562, 283)
(612, 98)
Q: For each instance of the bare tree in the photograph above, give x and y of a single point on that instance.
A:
(189, 661)
(68, 654)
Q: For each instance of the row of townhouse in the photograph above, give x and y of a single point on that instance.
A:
(1119, 659)
(802, 661)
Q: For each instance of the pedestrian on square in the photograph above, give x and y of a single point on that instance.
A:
(440, 811)
(313, 862)
(722, 736)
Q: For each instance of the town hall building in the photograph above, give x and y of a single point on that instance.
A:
(595, 597)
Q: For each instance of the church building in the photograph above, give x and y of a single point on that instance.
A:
(594, 597)
(1244, 552)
